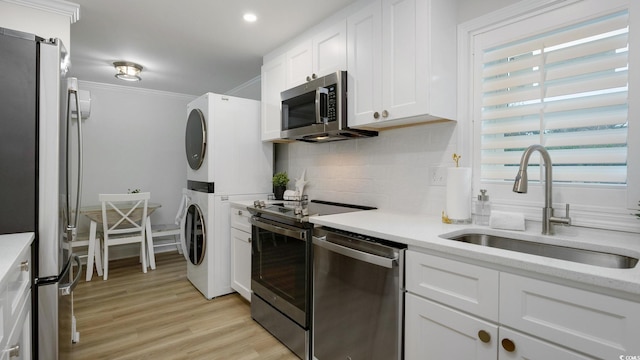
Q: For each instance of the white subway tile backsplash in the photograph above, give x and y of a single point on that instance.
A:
(389, 171)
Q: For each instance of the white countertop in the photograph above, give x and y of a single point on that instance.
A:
(423, 233)
(11, 246)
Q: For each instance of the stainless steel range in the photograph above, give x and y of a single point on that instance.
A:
(281, 265)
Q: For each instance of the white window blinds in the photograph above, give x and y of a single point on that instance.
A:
(566, 90)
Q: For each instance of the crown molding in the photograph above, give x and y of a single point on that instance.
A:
(122, 88)
(58, 7)
(253, 82)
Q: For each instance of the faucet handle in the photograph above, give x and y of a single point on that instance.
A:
(566, 215)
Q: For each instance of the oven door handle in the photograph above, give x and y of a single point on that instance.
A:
(355, 254)
(300, 235)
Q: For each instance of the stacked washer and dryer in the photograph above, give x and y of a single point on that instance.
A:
(227, 162)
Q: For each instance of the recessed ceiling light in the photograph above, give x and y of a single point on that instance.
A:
(249, 17)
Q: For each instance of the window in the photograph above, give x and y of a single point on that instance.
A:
(565, 89)
(558, 73)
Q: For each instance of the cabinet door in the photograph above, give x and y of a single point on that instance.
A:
(241, 263)
(330, 50)
(299, 63)
(364, 64)
(596, 324)
(273, 83)
(529, 348)
(405, 37)
(436, 332)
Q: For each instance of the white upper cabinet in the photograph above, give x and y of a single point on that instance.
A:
(318, 55)
(299, 64)
(401, 62)
(324, 53)
(272, 83)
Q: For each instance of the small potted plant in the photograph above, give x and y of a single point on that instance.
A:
(280, 181)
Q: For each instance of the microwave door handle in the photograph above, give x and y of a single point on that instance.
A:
(320, 110)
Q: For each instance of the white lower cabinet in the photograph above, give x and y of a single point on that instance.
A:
(516, 345)
(18, 346)
(450, 314)
(434, 331)
(15, 297)
(241, 251)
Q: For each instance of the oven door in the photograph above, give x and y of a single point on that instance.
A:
(281, 267)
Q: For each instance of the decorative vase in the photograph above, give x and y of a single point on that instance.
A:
(278, 191)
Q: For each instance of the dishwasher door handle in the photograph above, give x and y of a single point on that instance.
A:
(355, 254)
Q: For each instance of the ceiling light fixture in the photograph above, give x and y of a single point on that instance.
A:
(249, 17)
(127, 71)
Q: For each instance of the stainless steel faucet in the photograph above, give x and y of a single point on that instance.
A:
(520, 186)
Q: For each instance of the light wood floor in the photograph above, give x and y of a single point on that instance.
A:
(160, 315)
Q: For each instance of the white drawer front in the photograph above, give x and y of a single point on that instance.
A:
(596, 324)
(240, 219)
(463, 286)
(18, 282)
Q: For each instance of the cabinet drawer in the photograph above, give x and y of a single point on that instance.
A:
(592, 323)
(18, 345)
(18, 283)
(470, 288)
(240, 218)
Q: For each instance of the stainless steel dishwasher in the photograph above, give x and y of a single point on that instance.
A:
(358, 297)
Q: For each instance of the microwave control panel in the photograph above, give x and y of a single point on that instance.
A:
(332, 103)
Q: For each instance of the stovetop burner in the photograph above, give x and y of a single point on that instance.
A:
(300, 211)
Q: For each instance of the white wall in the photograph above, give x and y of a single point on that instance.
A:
(388, 171)
(134, 139)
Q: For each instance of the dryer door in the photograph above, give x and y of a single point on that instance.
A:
(195, 235)
(195, 139)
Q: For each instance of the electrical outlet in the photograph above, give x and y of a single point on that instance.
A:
(438, 176)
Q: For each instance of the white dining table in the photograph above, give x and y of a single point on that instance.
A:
(94, 213)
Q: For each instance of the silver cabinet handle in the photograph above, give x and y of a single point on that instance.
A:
(385, 113)
(376, 115)
(355, 254)
(239, 212)
(24, 266)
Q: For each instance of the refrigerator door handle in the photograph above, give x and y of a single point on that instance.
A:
(67, 289)
(72, 226)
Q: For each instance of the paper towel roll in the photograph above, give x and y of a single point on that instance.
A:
(459, 194)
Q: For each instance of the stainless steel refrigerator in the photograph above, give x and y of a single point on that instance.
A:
(40, 178)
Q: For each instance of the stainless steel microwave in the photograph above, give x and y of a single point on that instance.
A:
(317, 111)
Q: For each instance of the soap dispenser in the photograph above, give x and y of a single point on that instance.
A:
(482, 208)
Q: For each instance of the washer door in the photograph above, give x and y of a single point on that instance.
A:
(195, 235)
(195, 139)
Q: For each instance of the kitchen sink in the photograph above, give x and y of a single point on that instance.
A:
(583, 256)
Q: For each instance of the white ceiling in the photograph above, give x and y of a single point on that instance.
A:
(187, 46)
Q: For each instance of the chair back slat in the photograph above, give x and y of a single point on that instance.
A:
(124, 221)
(124, 213)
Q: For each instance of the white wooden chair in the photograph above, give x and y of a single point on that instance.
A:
(165, 230)
(124, 220)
